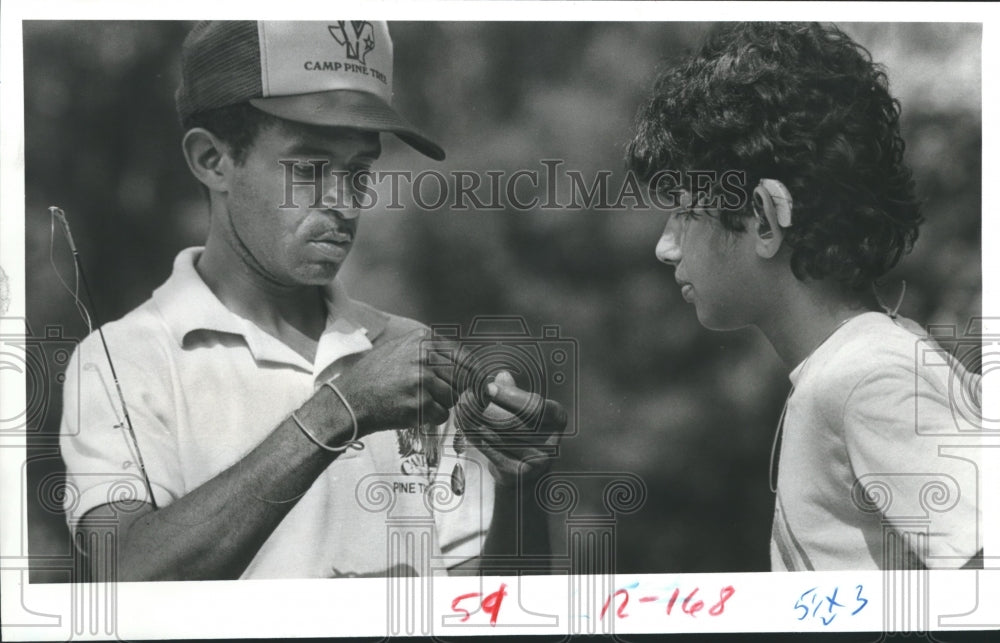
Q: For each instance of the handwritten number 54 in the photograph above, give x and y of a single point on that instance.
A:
(490, 604)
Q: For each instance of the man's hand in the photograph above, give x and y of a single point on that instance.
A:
(514, 428)
(388, 388)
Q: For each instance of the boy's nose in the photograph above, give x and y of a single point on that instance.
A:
(668, 248)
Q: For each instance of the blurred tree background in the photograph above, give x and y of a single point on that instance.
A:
(692, 412)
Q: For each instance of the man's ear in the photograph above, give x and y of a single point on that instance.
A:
(207, 158)
(772, 209)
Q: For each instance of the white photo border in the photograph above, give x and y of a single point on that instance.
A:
(330, 608)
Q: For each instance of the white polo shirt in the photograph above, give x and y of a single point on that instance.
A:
(204, 386)
(877, 469)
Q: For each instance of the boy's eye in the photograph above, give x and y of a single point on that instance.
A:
(675, 198)
(685, 214)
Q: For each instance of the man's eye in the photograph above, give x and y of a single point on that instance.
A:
(363, 172)
(304, 170)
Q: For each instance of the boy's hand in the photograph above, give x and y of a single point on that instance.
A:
(514, 428)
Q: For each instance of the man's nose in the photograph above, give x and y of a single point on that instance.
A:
(668, 248)
(340, 197)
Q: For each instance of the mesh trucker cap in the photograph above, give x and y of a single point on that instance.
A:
(336, 73)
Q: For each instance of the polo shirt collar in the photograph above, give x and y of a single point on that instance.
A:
(187, 304)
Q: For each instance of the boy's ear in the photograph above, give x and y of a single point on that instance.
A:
(772, 209)
(207, 158)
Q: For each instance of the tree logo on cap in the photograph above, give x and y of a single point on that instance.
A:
(358, 39)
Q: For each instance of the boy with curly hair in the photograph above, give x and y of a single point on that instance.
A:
(802, 113)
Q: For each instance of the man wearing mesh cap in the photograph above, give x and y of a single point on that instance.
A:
(273, 415)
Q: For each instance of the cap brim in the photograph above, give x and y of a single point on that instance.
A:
(349, 108)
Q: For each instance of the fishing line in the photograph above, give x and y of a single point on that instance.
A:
(81, 277)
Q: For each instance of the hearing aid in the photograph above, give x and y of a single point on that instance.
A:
(764, 230)
(771, 196)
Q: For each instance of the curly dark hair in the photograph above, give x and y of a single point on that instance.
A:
(235, 125)
(804, 104)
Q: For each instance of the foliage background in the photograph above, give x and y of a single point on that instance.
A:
(692, 412)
